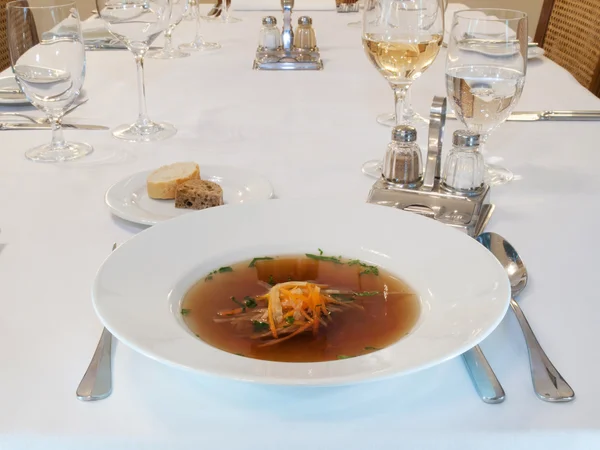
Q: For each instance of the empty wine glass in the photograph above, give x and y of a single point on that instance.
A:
(178, 10)
(224, 17)
(485, 71)
(137, 23)
(48, 59)
(198, 44)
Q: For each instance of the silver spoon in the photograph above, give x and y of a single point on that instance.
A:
(96, 384)
(548, 383)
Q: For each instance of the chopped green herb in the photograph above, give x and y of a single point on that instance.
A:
(372, 348)
(333, 259)
(344, 356)
(272, 280)
(237, 302)
(343, 297)
(249, 302)
(239, 354)
(185, 312)
(320, 252)
(198, 336)
(367, 293)
(290, 320)
(225, 269)
(260, 326)
(370, 270)
(208, 278)
(262, 258)
(355, 262)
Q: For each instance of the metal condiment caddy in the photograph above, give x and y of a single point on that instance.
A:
(428, 195)
(288, 56)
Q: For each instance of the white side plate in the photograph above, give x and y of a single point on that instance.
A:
(128, 199)
(10, 83)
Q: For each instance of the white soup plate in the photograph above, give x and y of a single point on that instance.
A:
(464, 292)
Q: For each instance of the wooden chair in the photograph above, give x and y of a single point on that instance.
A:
(4, 55)
(26, 26)
(569, 32)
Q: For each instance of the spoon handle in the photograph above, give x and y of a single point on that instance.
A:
(548, 383)
(484, 379)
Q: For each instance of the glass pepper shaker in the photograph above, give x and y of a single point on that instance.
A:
(464, 169)
(402, 163)
(304, 37)
(270, 36)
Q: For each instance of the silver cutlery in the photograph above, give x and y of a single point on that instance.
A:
(7, 126)
(535, 116)
(548, 383)
(42, 120)
(482, 375)
(96, 383)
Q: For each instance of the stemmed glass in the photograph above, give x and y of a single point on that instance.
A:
(48, 59)
(485, 71)
(401, 39)
(178, 10)
(198, 44)
(224, 17)
(137, 23)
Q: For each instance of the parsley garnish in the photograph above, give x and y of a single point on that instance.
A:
(344, 356)
(343, 297)
(262, 258)
(290, 320)
(260, 326)
(368, 270)
(249, 302)
(239, 354)
(225, 269)
(372, 348)
(333, 259)
(366, 293)
(185, 312)
(320, 252)
(271, 280)
(237, 302)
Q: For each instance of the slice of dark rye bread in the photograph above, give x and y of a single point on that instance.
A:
(198, 194)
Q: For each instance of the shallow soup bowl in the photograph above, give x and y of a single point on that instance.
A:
(463, 291)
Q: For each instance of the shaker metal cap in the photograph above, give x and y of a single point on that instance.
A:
(269, 20)
(304, 20)
(404, 133)
(464, 138)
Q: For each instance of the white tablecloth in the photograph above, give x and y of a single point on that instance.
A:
(309, 133)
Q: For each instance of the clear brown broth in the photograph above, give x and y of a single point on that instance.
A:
(352, 332)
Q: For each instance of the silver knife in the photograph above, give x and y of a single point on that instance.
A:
(535, 116)
(46, 126)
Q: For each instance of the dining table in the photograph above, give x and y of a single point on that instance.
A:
(308, 132)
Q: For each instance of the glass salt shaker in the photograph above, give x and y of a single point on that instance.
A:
(304, 37)
(402, 163)
(270, 36)
(464, 168)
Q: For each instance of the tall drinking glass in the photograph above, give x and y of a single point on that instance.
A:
(137, 23)
(485, 71)
(48, 59)
(402, 39)
(178, 10)
(198, 44)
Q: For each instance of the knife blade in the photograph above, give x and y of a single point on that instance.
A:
(544, 116)
(6, 126)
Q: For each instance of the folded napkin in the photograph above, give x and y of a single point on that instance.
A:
(93, 30)
(275, 5)
(492, 30)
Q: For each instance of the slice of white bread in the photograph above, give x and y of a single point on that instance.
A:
(198, 194)
(163, 182)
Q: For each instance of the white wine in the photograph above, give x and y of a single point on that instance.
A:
(401, 62)
(483, 96)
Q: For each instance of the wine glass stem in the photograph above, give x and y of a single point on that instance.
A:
(168, 47)
(225, 12)
(399, 98)
(198, 37)
(408, 109)
(143, 119)
(58, 140)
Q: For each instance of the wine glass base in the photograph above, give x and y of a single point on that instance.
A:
(497, 176)
(200, 46)
(163, 54)
(373, 168)
(155, 131)
(389, 120)
(68, 152)
(221, 19)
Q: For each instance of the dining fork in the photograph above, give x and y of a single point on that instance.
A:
(96, 383)
(42, 120)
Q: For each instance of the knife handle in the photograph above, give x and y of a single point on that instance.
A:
(571, 115)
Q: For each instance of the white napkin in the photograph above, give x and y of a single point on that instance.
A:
(492, 28)
(275, 5)
(93, 29)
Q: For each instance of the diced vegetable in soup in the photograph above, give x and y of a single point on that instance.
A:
(307, 308)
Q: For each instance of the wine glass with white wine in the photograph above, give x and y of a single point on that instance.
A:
(485, 71)
(401, 39)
